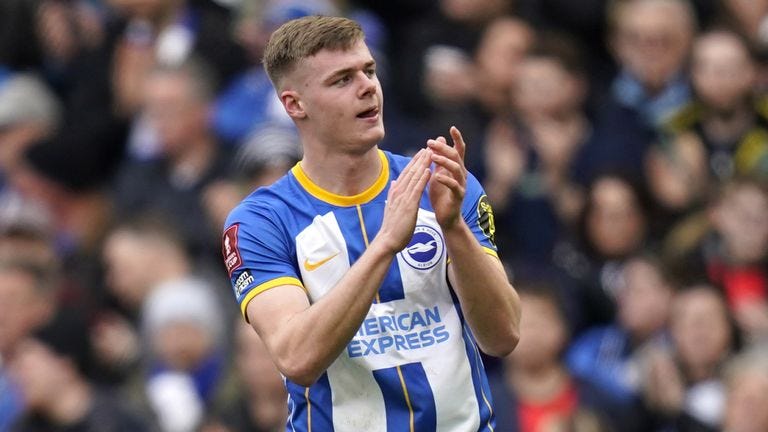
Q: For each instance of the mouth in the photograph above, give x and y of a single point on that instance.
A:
(369, 113)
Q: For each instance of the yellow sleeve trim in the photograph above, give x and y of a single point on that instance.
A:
(487, 250)
(267, 286)
(490, 251)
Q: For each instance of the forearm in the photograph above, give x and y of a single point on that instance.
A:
(490, 305)
(307, 342)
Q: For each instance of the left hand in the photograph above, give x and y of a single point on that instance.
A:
(449, 180)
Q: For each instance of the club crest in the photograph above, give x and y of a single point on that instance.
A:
(425, 248)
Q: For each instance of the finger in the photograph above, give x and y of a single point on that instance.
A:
(441, 147)
(458, 142)
(405, 176)
(450, 183)
(419, 167)
(417, 191)
(391, 191)
(451, 166)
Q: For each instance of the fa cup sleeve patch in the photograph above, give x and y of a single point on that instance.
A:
(229, 250)
(485, 219)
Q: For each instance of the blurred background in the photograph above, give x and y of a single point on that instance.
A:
(622, 143)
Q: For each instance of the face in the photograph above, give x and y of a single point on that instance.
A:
(643, 303)
(22, 308)
(545, 88)
(652, 39)
(336, 101)
(178, 117)
(700, 328)
(502, 49)
(615, 223)
(543, 333)
(183, 346)
(722, 71)
(127, 260)
(741, 219)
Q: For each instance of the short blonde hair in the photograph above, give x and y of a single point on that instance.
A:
(304, 37)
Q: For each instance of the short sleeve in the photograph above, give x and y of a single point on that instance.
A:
(478, 214)
(257, 254)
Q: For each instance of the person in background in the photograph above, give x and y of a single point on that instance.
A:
(184, 329)
(529, 154)
(29, 112)
(609, 358)
(650, 40)
(58, 396)
(177, 102)
(721, 134)
(536, 392)
(731, 250)
(260, 402)
(682, 384)
(613, 226)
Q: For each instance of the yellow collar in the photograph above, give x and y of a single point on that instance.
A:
(344, 200)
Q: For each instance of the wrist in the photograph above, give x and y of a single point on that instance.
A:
(457, 227)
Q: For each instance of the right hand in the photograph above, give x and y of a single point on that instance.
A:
(402, 203)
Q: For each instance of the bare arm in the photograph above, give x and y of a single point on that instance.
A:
(489, 303)
(305, 339)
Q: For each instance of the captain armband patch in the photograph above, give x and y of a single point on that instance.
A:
(485, 219)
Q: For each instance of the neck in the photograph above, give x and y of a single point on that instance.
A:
(342, 173)
(69, 404)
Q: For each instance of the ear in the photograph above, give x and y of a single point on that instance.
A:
(293, 104)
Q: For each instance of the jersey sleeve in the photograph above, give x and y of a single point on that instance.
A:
(257, 254)
(478, 214)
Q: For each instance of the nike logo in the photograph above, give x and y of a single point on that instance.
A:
(311, 266)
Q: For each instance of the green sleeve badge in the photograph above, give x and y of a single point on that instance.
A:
(485, 219)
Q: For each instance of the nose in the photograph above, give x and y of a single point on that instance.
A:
(368, 85)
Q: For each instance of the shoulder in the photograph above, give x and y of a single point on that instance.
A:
(270, 202)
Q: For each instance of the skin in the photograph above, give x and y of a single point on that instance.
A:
(324, 95)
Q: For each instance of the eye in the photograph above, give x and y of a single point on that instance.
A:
(342, 81)
(370, 72)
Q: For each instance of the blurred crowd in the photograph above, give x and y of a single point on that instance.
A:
(622, 143)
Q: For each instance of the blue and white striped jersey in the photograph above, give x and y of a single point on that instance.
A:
(414, 364)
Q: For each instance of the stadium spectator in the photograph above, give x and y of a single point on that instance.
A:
(58, 396)
(682, 384)
(650, 39)
(529, 154)
(609, 357)
(260, 402)
(731, 250)
(612, 227)
(721, 134)
(177, 101)
(537, 392)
